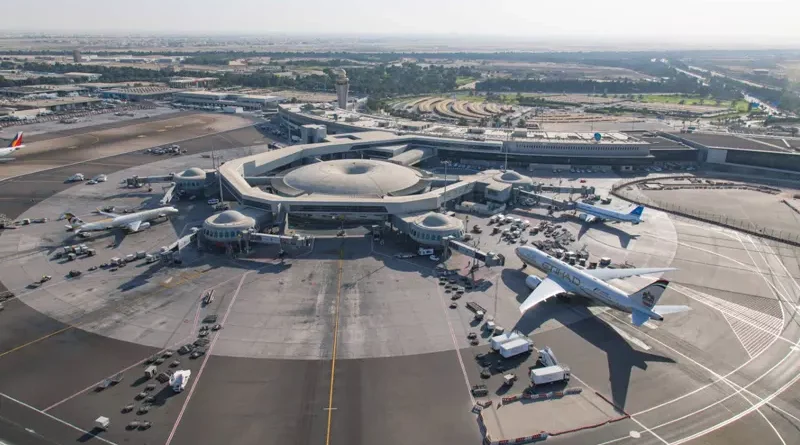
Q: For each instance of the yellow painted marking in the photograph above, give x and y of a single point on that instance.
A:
(335, 341)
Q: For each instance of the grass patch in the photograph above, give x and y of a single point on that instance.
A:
(463, 80)
(466, 97)
(738, 105)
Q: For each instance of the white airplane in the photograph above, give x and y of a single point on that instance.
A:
(133, 222)
(13, 146)
(594, 213)
(563, 278)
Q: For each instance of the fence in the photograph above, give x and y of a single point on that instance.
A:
(620, 189)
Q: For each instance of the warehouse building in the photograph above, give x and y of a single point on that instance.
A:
(250, 102)
(137, 94)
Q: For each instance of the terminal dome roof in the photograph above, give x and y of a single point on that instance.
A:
(353, 177)
(435, 222)
(230, 219)
(512, 177)
(193, 172)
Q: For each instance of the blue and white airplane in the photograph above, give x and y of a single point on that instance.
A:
(591, 283)
(595, 214)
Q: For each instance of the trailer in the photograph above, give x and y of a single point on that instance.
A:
(549, 374)
(498, 340)
(516, 347)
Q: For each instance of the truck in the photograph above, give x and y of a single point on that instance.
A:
(516, 347)
(151, 259)
(549, 374)
(424, 251)
(496, 341)
(179, 379)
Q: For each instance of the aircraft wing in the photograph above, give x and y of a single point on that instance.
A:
(610, 274)
(133, 226)
(546, 289)
(108, 214)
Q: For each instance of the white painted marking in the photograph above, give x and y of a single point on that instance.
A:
(205, 360)
(635, 434)
(650, 324)
(57, 419)
(168, 280)
(630, 338)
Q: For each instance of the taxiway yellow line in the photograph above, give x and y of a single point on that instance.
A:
(335, 341)
(45, 337)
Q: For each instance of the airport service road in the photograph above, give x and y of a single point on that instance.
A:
(51, 153)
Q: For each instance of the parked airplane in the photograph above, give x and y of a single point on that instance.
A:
(593, 213)
(563, 278)
(133, 222)
(13, 146)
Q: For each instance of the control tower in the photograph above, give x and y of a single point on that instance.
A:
(342, 86)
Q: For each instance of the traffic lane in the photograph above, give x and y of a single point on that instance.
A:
(19, 194)
(401, 400)
(259, 402)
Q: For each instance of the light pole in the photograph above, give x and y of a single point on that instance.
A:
(444, 202)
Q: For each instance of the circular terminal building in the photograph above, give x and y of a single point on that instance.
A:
(227, 227)
(351, 177)
(513, 178)
(431, 227)
(190, 179)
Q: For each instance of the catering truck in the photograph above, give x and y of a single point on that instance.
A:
(179, 379)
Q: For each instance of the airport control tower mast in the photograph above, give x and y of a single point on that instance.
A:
(342, 86)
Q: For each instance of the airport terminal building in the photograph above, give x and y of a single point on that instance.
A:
(520, 148)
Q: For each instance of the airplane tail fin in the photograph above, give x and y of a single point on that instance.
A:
(648, 296)
(17, 141)
(74, 221)
(637, 211)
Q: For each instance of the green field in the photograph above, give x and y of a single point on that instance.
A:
(739, 105)
(463, 80)
(468, 98)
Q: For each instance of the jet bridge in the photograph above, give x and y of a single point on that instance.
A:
(252, 236)
(169, 192)
(173, 250)
(138, 181)
(544, 200)
(488, 258)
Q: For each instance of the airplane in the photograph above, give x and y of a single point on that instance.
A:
(13, 146)
(133, 222)
(563, 278)
(595, 214)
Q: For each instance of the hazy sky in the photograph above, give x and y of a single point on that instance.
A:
(761, 22)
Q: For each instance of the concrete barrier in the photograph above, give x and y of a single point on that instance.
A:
(544, 396)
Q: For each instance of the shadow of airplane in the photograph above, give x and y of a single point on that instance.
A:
(621, 356)
(624, 237)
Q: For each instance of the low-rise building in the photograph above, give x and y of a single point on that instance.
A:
(221, 99)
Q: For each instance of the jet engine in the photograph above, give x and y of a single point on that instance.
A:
(532, 281)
